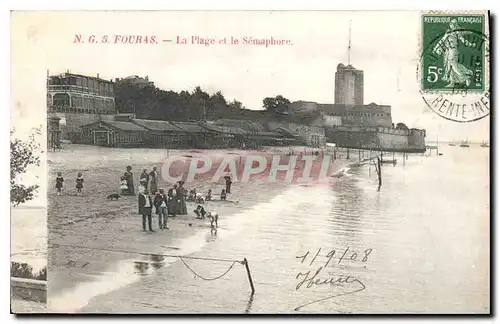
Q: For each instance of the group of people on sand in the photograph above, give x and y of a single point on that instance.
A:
(146, 179)
(60, 184)
(170, 203)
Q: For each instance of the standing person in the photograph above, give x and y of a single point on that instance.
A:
(145, 205)
(172, 201)
(79, 184)
(181, 196)
(129, 176)
(59, 183)
(143, 186)
(144, 178)
(154, 179)
(228, 184)
(123, 186)
(161, 204)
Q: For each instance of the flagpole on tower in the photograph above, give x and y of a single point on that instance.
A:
(349, 46)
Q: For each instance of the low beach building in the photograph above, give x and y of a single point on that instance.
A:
(196, 136)
(127, 131)
(161, 133)
(225, 136)
(114, 133)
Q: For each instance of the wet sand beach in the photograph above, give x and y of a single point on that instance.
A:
(112, 230)
(412, 252)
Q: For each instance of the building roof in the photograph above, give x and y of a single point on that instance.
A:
(241, 123)
(268, 134)
(157, 125)
(225, 129)
(189, 127)
(120, 125)
(53, 117)
(286, 131)
(69, 74)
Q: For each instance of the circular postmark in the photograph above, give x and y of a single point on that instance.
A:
(454, 73)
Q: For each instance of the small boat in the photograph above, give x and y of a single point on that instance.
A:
(464, 144)
(452, 144)
(485, 144)
(392, 161)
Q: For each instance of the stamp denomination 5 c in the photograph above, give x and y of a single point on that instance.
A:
(454, 65)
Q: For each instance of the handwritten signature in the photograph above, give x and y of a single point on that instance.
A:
(311, 279)
(308, 281)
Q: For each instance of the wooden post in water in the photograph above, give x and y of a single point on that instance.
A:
(249, 275)
(379, 172)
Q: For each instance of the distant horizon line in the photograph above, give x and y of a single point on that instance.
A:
(456, 141)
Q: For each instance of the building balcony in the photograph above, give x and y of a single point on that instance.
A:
(78, 89)
(80, 110)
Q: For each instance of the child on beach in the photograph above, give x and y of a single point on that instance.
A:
(79, 184)
(223, 194)
(209, 195)
(123, 185)
(200, 212)
(59, 183)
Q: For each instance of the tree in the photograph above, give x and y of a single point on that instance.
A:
(278, 104)
(23, 154)
(235, 105)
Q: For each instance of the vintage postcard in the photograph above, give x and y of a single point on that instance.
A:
(250, 162)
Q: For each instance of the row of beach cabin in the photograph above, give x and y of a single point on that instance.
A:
(132, 132)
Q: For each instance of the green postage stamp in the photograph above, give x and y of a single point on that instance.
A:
(454, 64)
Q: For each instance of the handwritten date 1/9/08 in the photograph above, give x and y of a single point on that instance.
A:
(332, 255)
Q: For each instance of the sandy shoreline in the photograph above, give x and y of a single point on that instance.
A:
(70, 266)
(92, 221)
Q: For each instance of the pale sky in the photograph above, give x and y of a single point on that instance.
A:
(384, 44)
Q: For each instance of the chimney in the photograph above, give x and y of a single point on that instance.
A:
(98, 75)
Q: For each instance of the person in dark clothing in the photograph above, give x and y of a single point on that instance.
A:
(208, 197)
(161, 205)
(129, 176)
(79, 184)
(223, 195)
(172, 201)
(200, 212)
(145, 206)
(192, 195)
(144, 178)
(181, 199)
(228, 184)
(59, 183)
(154, 177)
